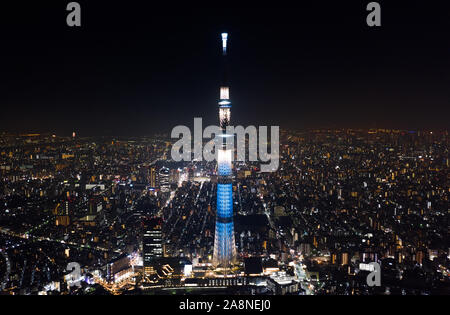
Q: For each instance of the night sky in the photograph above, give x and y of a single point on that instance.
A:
(135, 69)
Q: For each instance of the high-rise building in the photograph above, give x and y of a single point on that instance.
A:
(224, 243)
(164, 184)
(152, 178)
(152, 244)
(63, 211)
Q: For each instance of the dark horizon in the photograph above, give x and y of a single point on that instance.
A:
(139, 70)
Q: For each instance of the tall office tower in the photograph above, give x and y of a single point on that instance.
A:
(224, 243)
(164, 179)
(63, 211)
(152, 244)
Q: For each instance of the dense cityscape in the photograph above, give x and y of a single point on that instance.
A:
(137, 222)
(317, 165)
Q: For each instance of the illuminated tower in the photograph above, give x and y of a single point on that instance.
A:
(224, 244)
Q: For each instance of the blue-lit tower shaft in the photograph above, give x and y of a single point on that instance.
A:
(224, 243)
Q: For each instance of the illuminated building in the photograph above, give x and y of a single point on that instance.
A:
(164, 174)
(152, 244)
(224, 243)
(280, 283)
(153, 177)
(344, 260)
(168, 271)
(116, 267)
